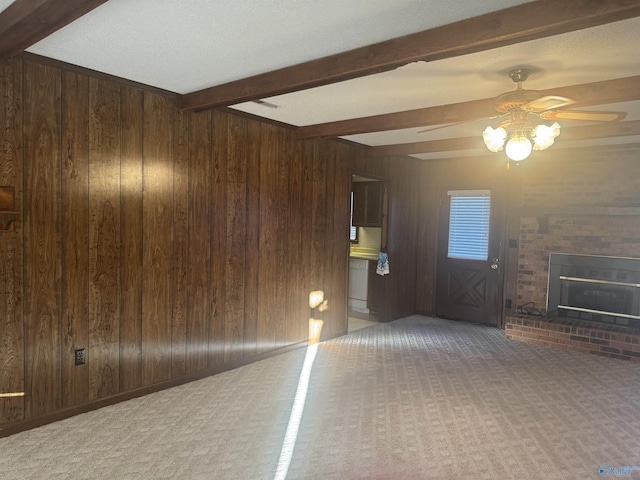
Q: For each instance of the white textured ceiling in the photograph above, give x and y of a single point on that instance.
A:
(187, 45)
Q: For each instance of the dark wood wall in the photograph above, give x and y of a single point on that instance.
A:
(166, 243)
(403, 246)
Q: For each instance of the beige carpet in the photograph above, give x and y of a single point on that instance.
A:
(418, 398)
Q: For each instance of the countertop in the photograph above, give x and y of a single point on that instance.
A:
(363, 255)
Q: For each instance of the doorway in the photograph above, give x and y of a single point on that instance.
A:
(367, 238)
(469, 259)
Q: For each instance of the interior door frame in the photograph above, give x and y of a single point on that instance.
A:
(384, 240)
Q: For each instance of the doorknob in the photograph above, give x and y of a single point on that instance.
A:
(494, 265)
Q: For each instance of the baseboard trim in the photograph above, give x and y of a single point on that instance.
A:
(30, 423)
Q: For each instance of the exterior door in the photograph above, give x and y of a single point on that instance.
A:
(469, 273)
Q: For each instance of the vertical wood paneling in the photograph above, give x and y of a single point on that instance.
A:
(296, 311)
(180, 242)
(307, 271)
(283, 223)
(236, 238)
(165, 242)
(359, 163)
(157, 240)
(329, 159)
(425, 257)
(199, 261)
(218, 237)
(11, 288)
(75, 236)
(403, 243)
(377, 166)
(104, 239)
(318, 221)
(42, 239)
(252, 254)
(341, 202)
(267, 269)
(132, 109)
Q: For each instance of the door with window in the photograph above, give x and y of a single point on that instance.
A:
(469, 274)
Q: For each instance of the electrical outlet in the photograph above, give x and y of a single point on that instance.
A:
(80, 356)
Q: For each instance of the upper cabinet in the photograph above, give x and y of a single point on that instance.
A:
(367, 204)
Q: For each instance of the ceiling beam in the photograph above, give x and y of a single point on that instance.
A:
(521, 23)
(586, 94)
(583, 132)
(26, 22)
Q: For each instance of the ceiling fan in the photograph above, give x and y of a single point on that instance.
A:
(521, 131)
(546, 107)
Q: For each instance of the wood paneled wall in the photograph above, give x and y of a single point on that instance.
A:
(404, 224)
(165, 243)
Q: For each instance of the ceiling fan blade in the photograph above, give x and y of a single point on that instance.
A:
(549, 102)
(583, 115)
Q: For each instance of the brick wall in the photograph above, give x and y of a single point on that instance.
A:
(574, 336)
(608, 181)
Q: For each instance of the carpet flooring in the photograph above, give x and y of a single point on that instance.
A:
(418, 398)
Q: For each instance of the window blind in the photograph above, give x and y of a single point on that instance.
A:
(469, 216)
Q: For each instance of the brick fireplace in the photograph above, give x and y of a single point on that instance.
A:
(587, 207)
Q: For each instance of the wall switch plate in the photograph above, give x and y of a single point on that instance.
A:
(80, 356)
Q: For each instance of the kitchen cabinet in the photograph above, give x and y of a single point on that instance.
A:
(377, 292)
(367, 204)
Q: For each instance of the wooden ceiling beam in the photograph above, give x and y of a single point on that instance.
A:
(587, 94)
(583, 132)
(521, 23)
(26, 22)
(430, 146)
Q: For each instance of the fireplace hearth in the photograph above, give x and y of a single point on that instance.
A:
(600, 289)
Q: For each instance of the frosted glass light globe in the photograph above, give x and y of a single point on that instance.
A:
(519, 147)
(494, 138)
(543, 136)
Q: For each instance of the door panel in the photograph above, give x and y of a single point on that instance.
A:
(469, 289)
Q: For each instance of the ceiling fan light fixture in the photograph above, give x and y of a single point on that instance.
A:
(521, 132)
(518, 147)
(494, 138)
(544, 135)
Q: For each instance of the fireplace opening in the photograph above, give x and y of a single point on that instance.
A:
(600, 297)
(595, 288)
